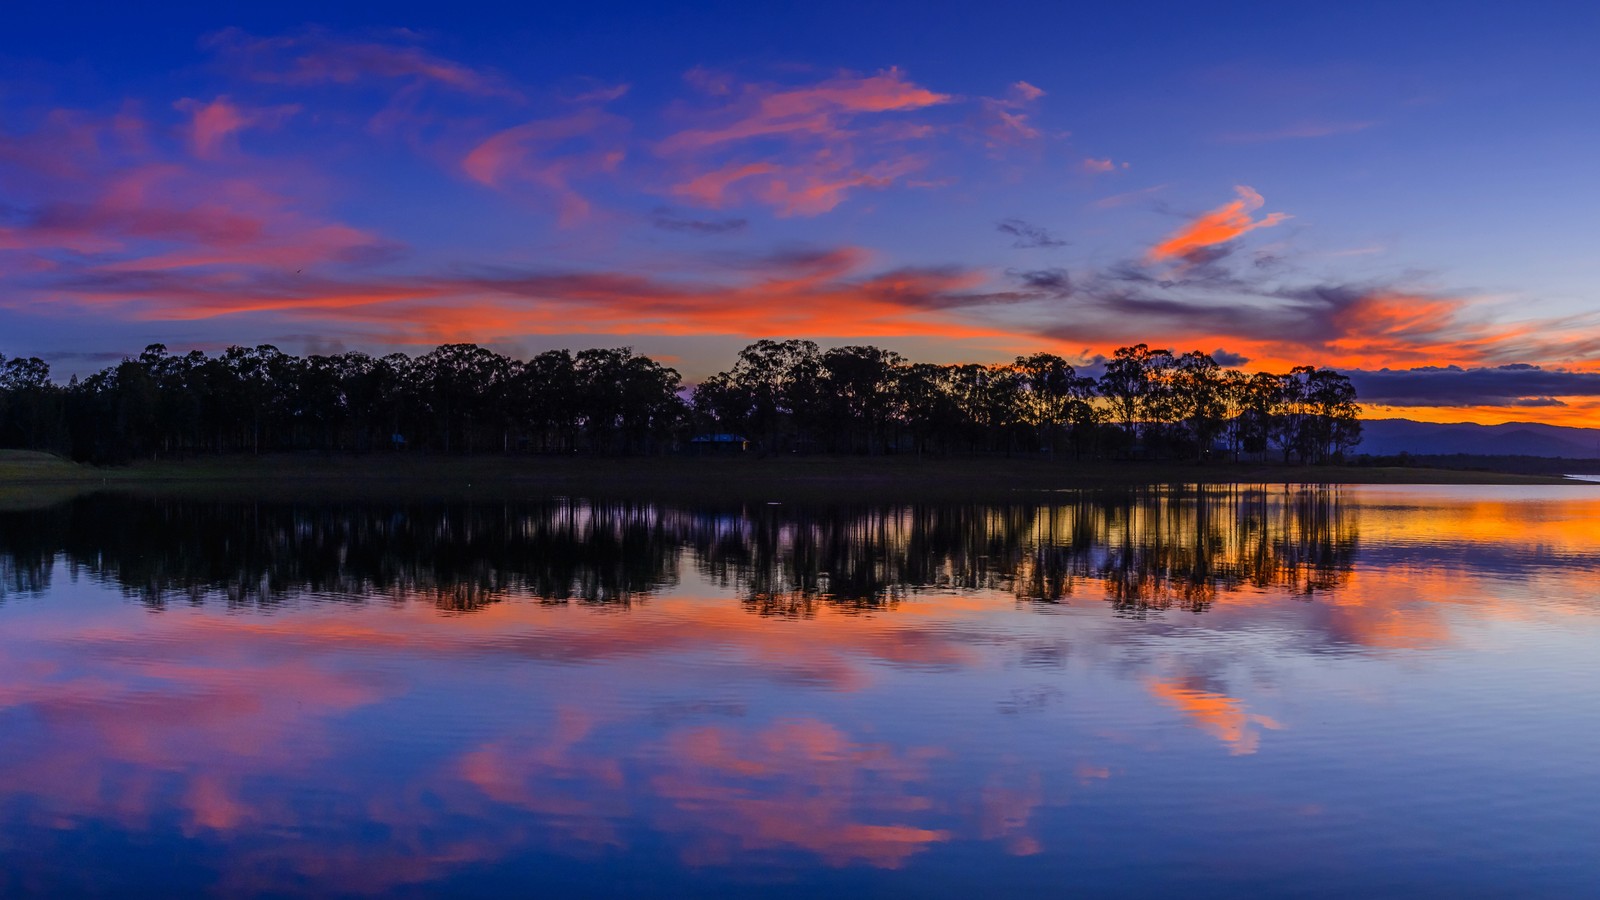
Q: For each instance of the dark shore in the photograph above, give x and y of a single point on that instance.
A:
(30, 478)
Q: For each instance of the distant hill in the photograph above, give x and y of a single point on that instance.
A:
(1386, 437)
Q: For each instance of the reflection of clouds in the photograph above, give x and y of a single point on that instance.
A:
(799, 784)
(220, 730)
(575, 791)
(835, 650)
(1008, 804)
(1035, 699)
(1218, 715)
(129, 735)
(692, 726)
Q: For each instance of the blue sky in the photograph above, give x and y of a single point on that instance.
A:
(1365, 186)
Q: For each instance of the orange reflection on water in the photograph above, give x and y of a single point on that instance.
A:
(1218, 715)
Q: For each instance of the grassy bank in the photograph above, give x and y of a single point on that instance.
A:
(41, 476)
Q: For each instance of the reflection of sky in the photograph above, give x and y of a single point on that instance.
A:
(1417, 724)
(1293, 185)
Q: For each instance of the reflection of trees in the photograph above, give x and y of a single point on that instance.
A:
(1175, 549)
(1142, 550)
(460, 555)
(1147, 549)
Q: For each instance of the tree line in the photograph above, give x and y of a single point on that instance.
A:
(778, 397)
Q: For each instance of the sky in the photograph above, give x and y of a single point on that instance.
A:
(1402, 191)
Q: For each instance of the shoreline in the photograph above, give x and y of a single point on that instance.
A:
(688, 478)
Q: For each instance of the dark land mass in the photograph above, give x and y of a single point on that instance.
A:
(1489, 444)
(1516, 464)
(30, 478)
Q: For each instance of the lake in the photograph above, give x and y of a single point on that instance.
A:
(1288, 691)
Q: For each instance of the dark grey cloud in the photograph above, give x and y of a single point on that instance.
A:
(667, 221)
(1513, 385)
(925, 287)
(1229, 358)
(1057, 282)
(1213, 293)
(87, 355)
(1028, 235)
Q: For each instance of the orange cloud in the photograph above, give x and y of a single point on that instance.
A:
(813, 294)
(818, 110)
(1218, 226)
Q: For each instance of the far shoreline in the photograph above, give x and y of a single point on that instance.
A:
(36, 476)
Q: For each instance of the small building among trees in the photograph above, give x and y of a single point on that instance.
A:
(718, 443)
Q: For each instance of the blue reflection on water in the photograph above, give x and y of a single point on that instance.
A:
(1264, 690)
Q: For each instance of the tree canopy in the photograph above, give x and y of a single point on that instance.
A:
(779, 396)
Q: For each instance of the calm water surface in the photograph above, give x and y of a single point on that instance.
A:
(1314, 692)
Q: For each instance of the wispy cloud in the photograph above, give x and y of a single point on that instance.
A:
(1006, 120)
(214, 124)
(801, 149)
(1298, 131)
(550, 155)
(92, 201)
(666, 220)
(1028, 235)
(805, 189)
(1093, 166)
(315, 56)
(1218, 226)
(824, 109)
(1126, 197)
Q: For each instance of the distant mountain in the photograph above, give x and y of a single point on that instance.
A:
(1385, 437)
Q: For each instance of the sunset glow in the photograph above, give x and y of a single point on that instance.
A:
(390, 185)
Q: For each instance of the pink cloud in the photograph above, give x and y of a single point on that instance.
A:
(1126, 197)
(536, 153)
(316, 57)
(90, 190)
(1026, 92)
(798, 190)
(213, 124)
(1005, 121)
(801, 149)
(1094, 166)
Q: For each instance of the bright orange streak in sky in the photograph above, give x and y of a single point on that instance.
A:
(1218, 226)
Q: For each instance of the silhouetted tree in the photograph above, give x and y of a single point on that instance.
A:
(786, 396)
